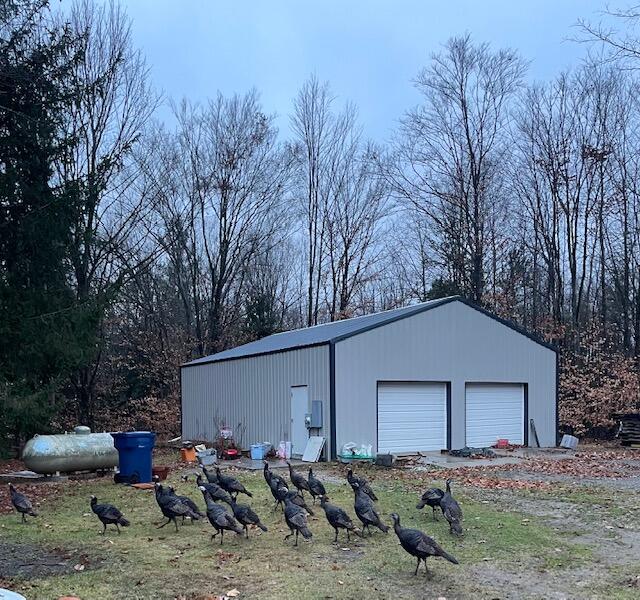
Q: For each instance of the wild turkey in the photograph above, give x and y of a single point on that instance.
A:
(219, 518)
(215, 491)
(246, 516)
(338, 518)
(364, 484)
(108, 515)
(298, 480)
(451, 511)
(366, 511)
(315, 486)
(172, 507)
(188, 502)
(231, 484)
(419, 544)
(296, 519)
(294, 496)
(275, 483)
(273, 479)
(211, 477)
(432, 498)
(21, 503)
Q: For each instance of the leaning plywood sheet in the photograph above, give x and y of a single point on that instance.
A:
(313, 449)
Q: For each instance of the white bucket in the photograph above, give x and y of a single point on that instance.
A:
(570, 442)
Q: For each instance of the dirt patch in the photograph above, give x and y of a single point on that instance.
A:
(27, 561)
(614, 540)
(529, 581)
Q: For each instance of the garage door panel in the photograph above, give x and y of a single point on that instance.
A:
(411, 417)
(410, 413)
(493, 411)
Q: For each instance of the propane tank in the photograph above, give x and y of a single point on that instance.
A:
(80, 450)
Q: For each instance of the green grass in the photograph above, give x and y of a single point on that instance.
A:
(145, 562)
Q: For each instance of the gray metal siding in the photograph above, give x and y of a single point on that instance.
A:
(253, 391)
(453, 342)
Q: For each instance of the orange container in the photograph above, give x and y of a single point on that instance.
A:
(188, 454)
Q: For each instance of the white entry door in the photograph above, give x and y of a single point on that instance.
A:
(494, 411)
(412, 417)
(299, 408)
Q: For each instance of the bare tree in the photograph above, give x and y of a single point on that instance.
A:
(616, 33)
(221, 182)
(448, 157)
(269, 292)
(567, 137)
(355, 209)
(321, 137)
(114, 103)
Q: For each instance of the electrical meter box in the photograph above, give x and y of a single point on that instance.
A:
(313, 420)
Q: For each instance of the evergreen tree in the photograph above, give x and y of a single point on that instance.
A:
(44, 332)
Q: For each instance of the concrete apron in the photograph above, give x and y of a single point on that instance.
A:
(504, 457)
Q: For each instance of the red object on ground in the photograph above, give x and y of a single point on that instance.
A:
(160, 472)
(231, 453)
(143, 486)
(502, 443)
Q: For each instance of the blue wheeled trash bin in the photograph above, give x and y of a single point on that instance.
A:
(135, 450)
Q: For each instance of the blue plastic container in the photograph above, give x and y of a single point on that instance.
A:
(135, 450)
(257, 451)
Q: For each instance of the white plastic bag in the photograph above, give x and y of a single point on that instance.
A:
(348, 449)
(284, 450)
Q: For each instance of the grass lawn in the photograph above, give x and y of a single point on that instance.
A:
(145, 562)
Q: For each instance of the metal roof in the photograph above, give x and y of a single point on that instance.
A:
(339, 330)
(318, 334)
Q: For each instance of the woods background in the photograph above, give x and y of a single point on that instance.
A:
(129, 245)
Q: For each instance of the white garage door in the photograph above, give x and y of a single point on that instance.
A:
(494, 411)
(412, 417)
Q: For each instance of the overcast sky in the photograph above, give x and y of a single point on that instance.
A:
(369, 50)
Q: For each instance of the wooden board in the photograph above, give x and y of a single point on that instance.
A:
(313, 449)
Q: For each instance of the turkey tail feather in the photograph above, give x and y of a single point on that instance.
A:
(451, 559)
